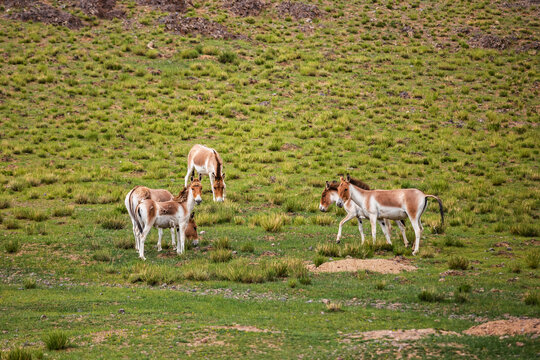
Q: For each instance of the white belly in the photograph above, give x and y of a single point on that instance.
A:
(391, 213)
(165, 222)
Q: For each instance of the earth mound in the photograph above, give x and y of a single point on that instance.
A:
(506, 327)
(104, 9)
(39, 12)
(194, 25)
(245, 7)
(298, 10)
(383, 266)
(167, 5)
(492, 41)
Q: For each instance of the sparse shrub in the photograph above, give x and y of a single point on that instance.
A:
(458, 263)
(532, 298)
(30, 214)
(323, 219)
(532, 259)
(430, 296)
(19, 354)
(292, 205)
(12, 224)
(381, 285)
(427, 253)
(102, 255)
(126, 243)
(196, 273)
(450, 241)
(525, 229)
(399, 249)
(227, 57)
(515, 267)
(12, 246)
(328, 249)
(460, 298)
(464, 288)
(112, 222)
(5, 203)
(65, 211)
(56, 340)
(292, 283)
(319, 260)
(222, 243)
(220, 255)
(273, 222)
(358, 251)
(299, 220)
(333, 307)
(305, 279)
(248, 247)
(34, 229)
(29, 283)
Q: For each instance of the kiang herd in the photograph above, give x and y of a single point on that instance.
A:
(158, 208)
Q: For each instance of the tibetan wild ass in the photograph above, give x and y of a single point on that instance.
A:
(169, 214)
(208, 162)
(388, 204)
(330, 196)
(137, 195)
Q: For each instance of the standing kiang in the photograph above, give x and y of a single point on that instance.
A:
(207, 162)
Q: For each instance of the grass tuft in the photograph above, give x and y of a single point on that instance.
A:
(125, 243)
(56, 340)
(328, 249)
(12, 246)
(532, 259)
(29, 283)
(18, 354)
(220, 255)
(102, 255)
(319, 260)
(458, 263)
(333, 307)
(429, 295)
(532, 298)
(113, 222)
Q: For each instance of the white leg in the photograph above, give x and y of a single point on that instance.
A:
(173, 243)
(373, 221)
(160, 235)
(417, 226)
(401, 226)
(347, 218)
(142, 239)
(135, 234)
(385, 231)
(190, 168)
(212, 186)
(361, 229)
(181, 236)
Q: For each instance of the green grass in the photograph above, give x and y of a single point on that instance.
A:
(396, 94)
(56, 340)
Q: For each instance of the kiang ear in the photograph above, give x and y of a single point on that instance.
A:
(192, 215)
(223, 176)
(213, 175)
(200, 177)
(348, 178)
(191, 177)
(341, 179)
(327, 184)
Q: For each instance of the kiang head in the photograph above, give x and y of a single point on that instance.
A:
(326, 197)
(343, 190)
(219, 187)
(196, 188)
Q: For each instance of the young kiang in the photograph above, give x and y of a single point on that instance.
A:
(169, 214)
(208, 162)
(135, 197)
(388, 204)
(330, 196)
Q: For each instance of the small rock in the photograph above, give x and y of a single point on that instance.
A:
(121, 311)
(491, 249)
(325, 301)
(235, 252)
(519, 343)
(310, 248)
(43, 317)
(202, 232)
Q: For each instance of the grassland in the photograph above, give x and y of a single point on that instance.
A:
(399, 94)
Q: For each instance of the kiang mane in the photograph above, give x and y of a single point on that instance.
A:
(359, 183)
(183, 196)
(219, 165)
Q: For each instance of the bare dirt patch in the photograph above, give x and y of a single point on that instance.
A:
(492, 41)
(245, 7)
(246, 328)
(395, 336)
(36, 11)
(166, 5)
(104, 9)
(101, 336)
(383, 266)
(298, 10)
(289, 146)
(506, 327)
(193, 25)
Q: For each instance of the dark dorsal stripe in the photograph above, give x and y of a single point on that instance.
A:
(218, 170)
(359, 183)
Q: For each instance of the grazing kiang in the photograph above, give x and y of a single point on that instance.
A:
(330, 196)
(208, 162)
(169, 214)
(191, 230)
(137, 195)
(388, 204)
